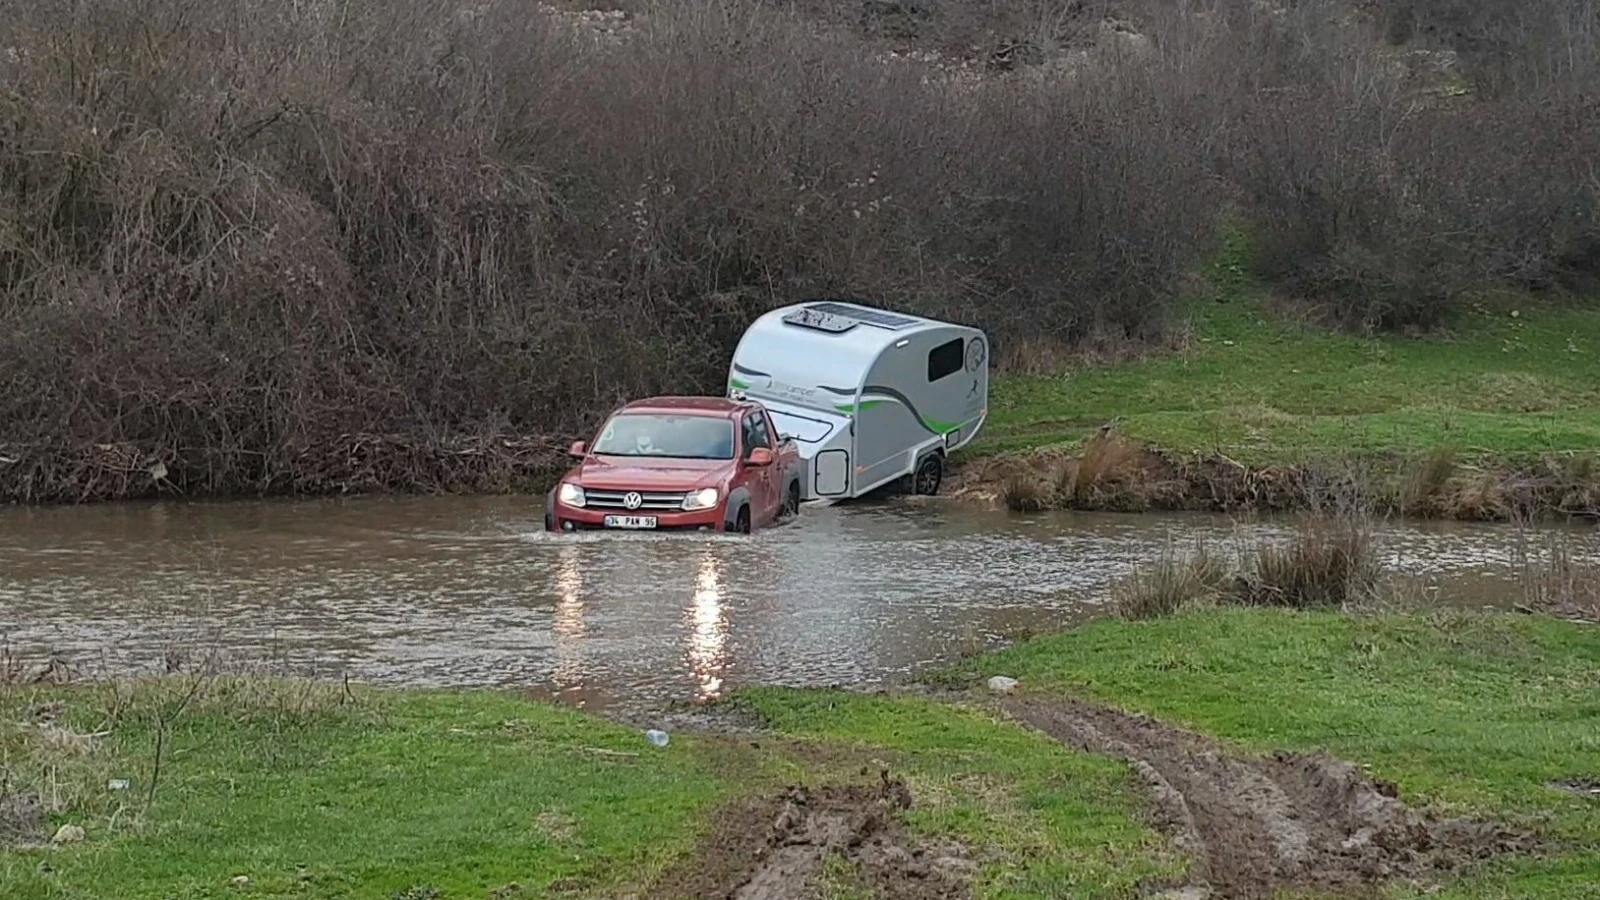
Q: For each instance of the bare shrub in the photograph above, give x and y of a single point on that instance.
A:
(234, 237)
(259, 248)
(1390, 197)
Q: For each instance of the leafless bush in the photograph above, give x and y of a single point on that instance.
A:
(1390, 195)
(246, 246)
(233, 235)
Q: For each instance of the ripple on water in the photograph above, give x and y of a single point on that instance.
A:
(469, 591)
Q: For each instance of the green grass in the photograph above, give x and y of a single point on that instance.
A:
(1262, 391)
(315, 794)
(469, 793)
(1476, 711)
(463, 793)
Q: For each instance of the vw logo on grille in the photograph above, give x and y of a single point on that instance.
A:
(632, 499)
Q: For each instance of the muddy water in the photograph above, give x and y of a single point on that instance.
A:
(470, 591)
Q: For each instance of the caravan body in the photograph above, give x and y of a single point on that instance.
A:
(870, 396)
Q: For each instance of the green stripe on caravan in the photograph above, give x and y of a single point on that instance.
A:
(933, 425)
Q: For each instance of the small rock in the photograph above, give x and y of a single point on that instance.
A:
(69, 834)
(1000, 684)
(241, 881)
(117, 784)
(656, 737)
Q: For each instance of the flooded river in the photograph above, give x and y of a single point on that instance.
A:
(471, 592)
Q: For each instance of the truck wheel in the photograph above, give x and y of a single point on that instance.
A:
(929, 475)
(549, 522)
(791, 500)
(741, 522)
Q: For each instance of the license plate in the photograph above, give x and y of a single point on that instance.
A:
(630, 521)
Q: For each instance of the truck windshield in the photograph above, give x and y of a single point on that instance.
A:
(662, 434)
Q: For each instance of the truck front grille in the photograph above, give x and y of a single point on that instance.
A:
(656, 500)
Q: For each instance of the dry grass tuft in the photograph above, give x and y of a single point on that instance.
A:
(1173, 584)
(1424, 490)
(1559, 574)
(1330, 564)
(1481, 496)
(1024, 492)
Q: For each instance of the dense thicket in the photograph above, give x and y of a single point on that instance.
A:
(237, 234)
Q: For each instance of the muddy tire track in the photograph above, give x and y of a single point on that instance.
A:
(775, 848)
(1253, 825)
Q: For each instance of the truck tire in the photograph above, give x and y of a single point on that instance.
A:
(741, 522)
(929, 475)
(791, 501)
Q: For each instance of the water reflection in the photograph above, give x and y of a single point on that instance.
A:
(708, 629)
(568, 623)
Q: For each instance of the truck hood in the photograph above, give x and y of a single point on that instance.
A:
(657, 474)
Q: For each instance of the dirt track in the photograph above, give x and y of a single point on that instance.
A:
(1253, 825)
(775, 848)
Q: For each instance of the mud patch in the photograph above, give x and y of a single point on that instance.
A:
(1255, 825)
(776, 848)
(1583, 786)
(722, 719)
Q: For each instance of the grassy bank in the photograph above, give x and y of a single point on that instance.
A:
(1498, 412)
(270, 789)
(321, 794)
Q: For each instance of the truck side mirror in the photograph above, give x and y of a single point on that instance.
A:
(760, 456)
(578, 450)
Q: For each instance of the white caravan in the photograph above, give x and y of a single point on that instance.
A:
(869, 396)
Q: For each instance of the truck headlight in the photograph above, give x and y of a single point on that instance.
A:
(701, 499)
(571, 495)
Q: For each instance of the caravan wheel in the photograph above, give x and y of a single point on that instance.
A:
(929, 474)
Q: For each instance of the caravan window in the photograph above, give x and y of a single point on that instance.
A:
(945, 359)
(803, 428)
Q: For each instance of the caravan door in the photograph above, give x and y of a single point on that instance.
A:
(825, 441)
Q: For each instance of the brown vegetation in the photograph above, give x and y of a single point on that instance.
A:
(1560, 575)
(232, 235)
(1329, 564)
(1113, 473)
(1333, 563)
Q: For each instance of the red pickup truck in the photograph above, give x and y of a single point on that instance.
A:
(680, 463)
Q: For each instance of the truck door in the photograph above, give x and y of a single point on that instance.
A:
(763, 494)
